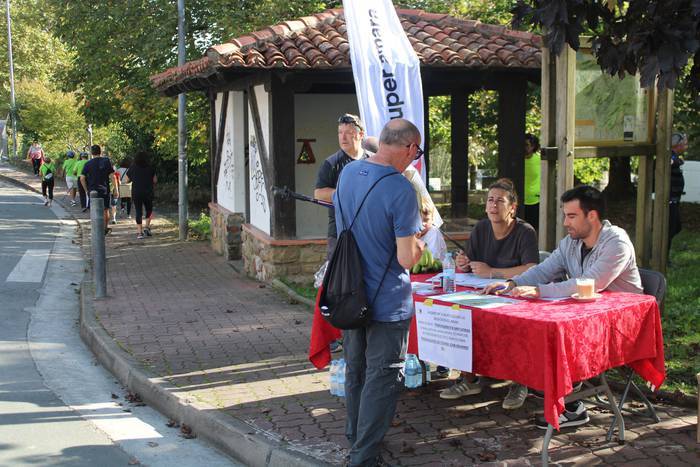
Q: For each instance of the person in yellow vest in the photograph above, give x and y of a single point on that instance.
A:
(531, 200)
(47, 170)
(71, 179)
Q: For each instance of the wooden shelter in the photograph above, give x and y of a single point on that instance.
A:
(277, 92)
(560, 146)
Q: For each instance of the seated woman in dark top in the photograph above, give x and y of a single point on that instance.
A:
(500, 246)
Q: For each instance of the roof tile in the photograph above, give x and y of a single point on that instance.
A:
(320, 41)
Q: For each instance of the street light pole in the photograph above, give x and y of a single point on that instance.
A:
(181, 130)
(13, 110)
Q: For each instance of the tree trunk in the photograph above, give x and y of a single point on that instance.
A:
(620, 181)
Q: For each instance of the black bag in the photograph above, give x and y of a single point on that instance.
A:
(343, 302)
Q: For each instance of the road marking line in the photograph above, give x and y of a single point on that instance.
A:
(31, 267)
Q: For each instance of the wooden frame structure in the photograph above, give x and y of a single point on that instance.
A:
(559, 151)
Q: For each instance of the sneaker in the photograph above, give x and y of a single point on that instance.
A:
(73, 203)
(336, 346)
(567, 419)
(516, 397)
(139, 237)
(108, 231)
(147, 232)
(461, 388)
(114, 221)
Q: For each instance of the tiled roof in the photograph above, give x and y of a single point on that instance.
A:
(320, 42)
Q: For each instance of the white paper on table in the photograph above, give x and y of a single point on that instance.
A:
(469, 279)
(475, 299)
(445, 335)
(422, 288)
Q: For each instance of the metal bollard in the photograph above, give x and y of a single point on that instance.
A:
(97, 227)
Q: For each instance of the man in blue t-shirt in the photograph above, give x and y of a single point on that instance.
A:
(96, 176)
(386, 231)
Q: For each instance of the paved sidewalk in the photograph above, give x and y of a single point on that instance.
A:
(236, 350)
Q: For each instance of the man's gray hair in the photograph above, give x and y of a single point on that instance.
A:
(399, 132)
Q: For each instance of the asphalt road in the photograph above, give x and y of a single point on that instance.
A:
(58, 407)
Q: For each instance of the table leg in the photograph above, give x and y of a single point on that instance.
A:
(545, 445)
(614, 408)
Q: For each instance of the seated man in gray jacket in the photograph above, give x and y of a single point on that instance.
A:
(593, 249)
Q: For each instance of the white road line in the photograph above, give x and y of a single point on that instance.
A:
(31, 267)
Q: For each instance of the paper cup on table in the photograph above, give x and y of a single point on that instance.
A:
(585, 287)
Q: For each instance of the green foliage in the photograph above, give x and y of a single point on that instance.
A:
(50, 116)
(681, 315)
(200, 229)
(654, 39)
(590, 171)
(38, 55)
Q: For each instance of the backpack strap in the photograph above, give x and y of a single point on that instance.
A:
(342, 216)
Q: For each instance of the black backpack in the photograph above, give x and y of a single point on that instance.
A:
(343, 302)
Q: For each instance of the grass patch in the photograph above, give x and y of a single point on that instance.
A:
(305, 290)
(681, 315)
(200, 229)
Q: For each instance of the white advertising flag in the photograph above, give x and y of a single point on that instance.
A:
(385, 67)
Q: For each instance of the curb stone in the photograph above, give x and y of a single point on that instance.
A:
(243, 442)
(237, 439)
(282, 287)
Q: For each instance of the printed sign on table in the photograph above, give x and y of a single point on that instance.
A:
(444, 335)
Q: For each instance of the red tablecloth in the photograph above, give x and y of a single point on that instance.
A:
(549, 345)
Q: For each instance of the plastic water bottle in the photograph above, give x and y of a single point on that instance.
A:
(341, 378)
(425, 365)
(412, 371)
(448, 273)
(334, 377)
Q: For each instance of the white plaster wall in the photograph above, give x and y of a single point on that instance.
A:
(232, 174)
(259, 202)
(316, 117)
(691, 174)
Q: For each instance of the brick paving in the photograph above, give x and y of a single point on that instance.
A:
(192, 319)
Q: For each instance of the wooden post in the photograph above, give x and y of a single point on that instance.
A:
(213, 141)
(426, 134)
(642, 237)
(512, 106)
(548, 178)
(662, 182)
(459, 110)
(220, 135)
(565, 115)
(282, 160)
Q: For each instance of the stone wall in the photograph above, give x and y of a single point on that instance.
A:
(294, 260)
(226, 231)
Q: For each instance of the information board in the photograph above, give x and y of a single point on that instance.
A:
(609, 110)
(444, 335)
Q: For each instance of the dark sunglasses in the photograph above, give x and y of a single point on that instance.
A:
(349, 119)
(419, 151)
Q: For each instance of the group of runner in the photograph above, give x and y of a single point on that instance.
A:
(131, 183)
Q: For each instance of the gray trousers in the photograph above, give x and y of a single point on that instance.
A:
(373, 355)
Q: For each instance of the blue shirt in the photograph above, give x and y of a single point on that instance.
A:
(391, 211)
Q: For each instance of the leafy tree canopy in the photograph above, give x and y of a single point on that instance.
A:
(653, 38)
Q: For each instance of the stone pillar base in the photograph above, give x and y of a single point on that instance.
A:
(226, 231)
(265, 258)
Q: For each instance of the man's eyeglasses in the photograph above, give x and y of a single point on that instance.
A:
(419, 151)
